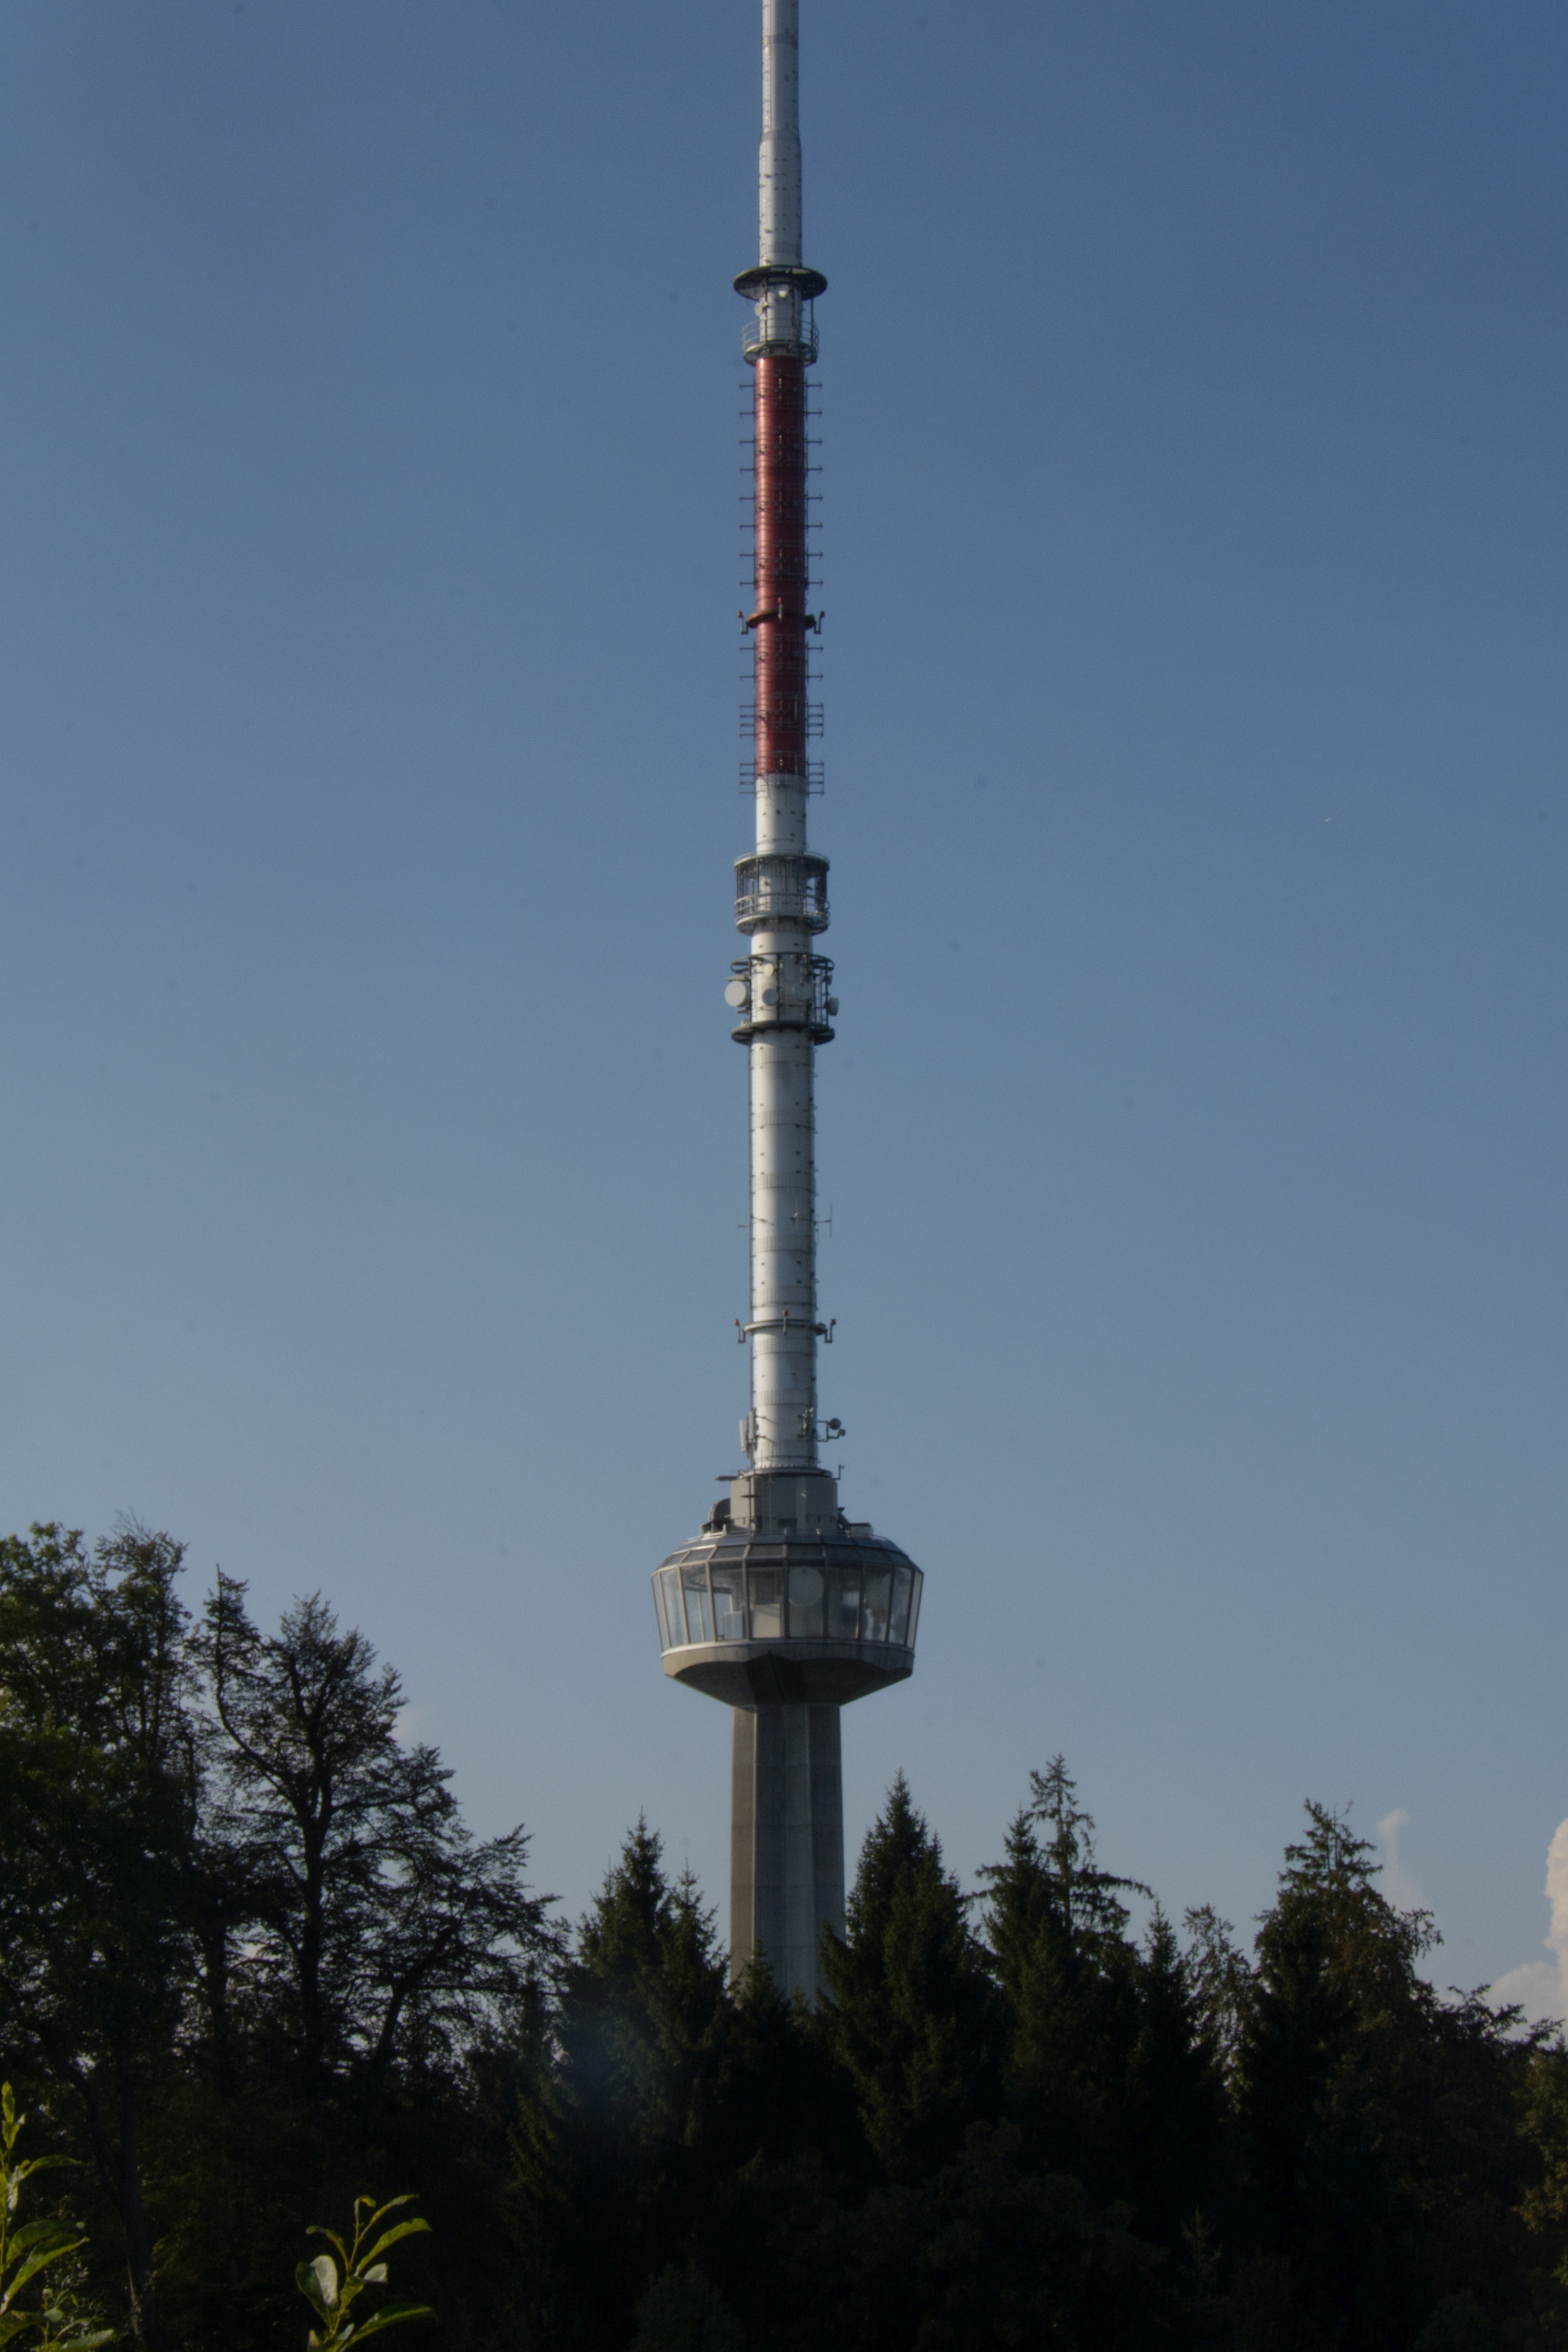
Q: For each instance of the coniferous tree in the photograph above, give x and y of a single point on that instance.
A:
(1380, 2122)
(785, 2095)
(1219, 1978)
(1543, 2120)
(1057, 1931)
(682, 2311)
(910, 2010)
(1171, 2133)
(981, 2254)
(615, 2150)
(644, 2007)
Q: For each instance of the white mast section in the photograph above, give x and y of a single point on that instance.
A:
(778, 169)
(779, 164)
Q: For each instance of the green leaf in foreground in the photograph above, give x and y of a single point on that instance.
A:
(57, 2324)
(332, 2288)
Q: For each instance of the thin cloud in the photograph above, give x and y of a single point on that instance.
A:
(1541, 1987)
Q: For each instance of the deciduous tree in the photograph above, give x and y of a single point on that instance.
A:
(99, 1788)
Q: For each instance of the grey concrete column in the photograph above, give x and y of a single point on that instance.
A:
(787, 1839)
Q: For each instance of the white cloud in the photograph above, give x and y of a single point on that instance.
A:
(1398, 1884)
(1541, 1987)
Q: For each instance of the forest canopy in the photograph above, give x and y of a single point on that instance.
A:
(254, 1966)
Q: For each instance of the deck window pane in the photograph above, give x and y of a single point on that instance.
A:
(699, 1608)
(844, 1604)
(767, 1604)
(873, 1620)
(805, 1602)
(729, 1602)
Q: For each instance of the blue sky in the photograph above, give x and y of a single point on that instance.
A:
(1193, 559)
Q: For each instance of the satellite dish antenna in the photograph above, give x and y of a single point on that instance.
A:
(736, 995)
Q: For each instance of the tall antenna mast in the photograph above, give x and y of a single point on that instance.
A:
(783, 1608)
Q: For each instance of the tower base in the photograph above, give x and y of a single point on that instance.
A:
(787, 1840)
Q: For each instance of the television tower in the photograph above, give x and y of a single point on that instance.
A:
(781, 1606)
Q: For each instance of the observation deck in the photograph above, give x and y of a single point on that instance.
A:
(817, 1619)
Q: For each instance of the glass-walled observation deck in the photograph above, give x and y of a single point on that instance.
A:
(830, 1617)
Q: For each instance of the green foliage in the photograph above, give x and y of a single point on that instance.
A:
(375, 1920)
(29, 2249)
(249, 1947)
(682, 2311)
(1219, 1981)
(1171, 2107)
(1380, 2125)
(620, 2141)
(250, 1955)
(98, 1772)
(332, 2288)
(911, 2012)
(1056, 1933)
(644, 2004)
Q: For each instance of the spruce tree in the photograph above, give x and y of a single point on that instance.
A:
(617, 2156)
(1379, 2119)
(910, 2012)
(645, 2006)
(1173, 2109)
(1057, 1931)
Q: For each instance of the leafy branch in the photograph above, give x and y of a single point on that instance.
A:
(31, 2249)
(331, 2288)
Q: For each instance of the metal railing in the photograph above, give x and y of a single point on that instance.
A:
(783, 990)
(773, 885)
(779, 338)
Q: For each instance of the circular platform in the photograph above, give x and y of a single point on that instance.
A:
(751, 1619)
